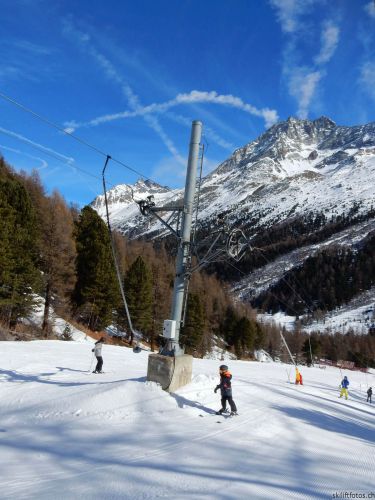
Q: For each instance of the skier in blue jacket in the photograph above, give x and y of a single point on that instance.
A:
(369, 394)
(225, 387)
(344, 387)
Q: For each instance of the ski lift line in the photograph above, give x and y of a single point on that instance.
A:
(114, 251)
(289, 286)
(286, 282)
(297, 281)
(73, 136)
(286, 345)
(56, 157)
(273, 295)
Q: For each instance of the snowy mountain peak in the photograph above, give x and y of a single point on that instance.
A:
(293, 168)
(127, 193)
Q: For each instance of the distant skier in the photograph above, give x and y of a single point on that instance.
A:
(344, 387)
(137, 348)
(369, 394)
(298, 377)
(225, 387)
(98, 354)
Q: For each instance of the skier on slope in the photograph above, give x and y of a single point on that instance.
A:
(369, 394)
(298, 377)
(98, 354)
(225, 387)
(344, 387)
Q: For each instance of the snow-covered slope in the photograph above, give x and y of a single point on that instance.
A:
(66, 433)
(263, 278)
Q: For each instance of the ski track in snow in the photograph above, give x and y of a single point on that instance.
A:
(67, 434)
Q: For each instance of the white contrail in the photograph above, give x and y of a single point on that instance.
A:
(112, 74)
(24, 139)
(208, 132)
(270, 116)
(44, 164)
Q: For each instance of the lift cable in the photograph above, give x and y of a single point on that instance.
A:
(73, 136)
(133, 333)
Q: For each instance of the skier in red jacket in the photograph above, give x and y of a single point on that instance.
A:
(225, 387)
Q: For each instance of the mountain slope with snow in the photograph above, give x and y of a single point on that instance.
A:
(66, 433)
(313, 174)
(295, 167)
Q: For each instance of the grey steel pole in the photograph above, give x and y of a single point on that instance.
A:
(286, 345)
(183, 255)
(311, 356)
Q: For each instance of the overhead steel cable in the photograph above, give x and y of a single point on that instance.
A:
(289, 286)
(295, 279)
(114, 255)
(52, 155)
(273, 295)
(73, 136)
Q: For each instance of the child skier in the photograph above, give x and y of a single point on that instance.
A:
(98, 354)
(344, 387)
(298, 377)
(225, 387)
(369, 394)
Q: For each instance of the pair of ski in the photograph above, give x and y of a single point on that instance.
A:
(223, 414)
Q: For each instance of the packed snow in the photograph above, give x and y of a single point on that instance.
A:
(67, 433)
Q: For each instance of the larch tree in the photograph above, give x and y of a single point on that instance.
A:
(57, 255)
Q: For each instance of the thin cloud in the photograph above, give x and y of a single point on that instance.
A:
(303, 80)
(370, 9)
(33, 48)
(330, 40)
(9, 72)
(302, 86)
(208, 132)
(367, 78)
(290, 11)
(169, 172)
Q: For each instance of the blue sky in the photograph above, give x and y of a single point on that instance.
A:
(129, 77)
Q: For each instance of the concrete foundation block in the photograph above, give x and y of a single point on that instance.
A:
(170, 372)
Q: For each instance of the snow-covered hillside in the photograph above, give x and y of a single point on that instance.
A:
(66, 433)
(295, 167)
(296, 170)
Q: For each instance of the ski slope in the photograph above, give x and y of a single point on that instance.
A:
(66, 433)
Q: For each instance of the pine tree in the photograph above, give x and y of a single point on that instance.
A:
(19, 276)
(228, 326)
(138, 292)
(191, 335)
(244, 337)
(96, 291)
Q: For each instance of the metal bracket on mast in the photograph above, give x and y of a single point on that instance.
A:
(148, 207)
